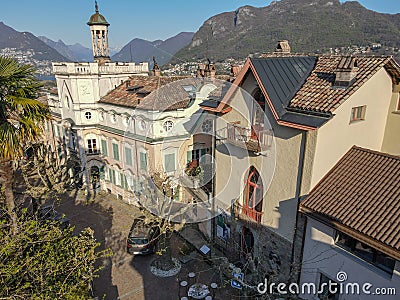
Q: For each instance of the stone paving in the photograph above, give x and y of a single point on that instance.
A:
(129, 277)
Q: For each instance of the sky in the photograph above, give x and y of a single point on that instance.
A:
(147, 19)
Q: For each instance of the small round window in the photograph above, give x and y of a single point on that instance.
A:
(168, 125)
(88, 115)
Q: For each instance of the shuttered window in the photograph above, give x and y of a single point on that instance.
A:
(128, 156)
(169, 162)
(115, 151)
(143, 161)
(104, 147)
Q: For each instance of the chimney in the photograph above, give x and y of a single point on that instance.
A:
(346, 72)
(283, 47)
(235, 69)
(206, 70)
(200, 70)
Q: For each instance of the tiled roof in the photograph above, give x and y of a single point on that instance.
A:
(361, 192)
(157, 93)
(124, 95)
(317, 93)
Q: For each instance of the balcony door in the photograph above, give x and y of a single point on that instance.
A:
(258, 114)
(253, 195)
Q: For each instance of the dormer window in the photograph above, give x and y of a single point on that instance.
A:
(346, 72)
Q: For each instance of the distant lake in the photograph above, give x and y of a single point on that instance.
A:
(46, 77)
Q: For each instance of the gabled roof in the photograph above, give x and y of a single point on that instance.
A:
(361, 194)
(300, 89)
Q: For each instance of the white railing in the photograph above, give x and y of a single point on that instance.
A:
(94, 68)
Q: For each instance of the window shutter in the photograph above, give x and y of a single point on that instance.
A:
(169, 162)
(128, 156)
(189, 156)
(102, 172)
(143, 161)
(104, 147)
(115, 151)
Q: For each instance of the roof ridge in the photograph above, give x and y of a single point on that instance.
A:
(376, 152)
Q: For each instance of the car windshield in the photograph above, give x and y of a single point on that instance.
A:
(138, 241)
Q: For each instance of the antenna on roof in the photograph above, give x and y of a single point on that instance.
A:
(130, 51)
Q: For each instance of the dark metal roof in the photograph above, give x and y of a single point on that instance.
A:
(282, 77)
(210, 103)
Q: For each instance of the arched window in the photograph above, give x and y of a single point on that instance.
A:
(253, 195)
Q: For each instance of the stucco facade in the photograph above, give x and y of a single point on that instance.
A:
(322, 256)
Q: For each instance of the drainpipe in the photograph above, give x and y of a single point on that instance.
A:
(297, 196)
(214, 143)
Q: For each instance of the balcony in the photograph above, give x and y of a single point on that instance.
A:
(247, 214)
(249, 138)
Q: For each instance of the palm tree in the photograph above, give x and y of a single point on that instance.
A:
(21, 121)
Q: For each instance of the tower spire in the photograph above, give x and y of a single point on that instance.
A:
(96, 6)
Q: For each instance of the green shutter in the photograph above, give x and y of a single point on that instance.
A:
(113, 177)
(102, 172)
(121, 180)
(143, 161)
(128, 156)
(115, 151)
(104, 147)
(189, 156)
(110, 175)
(169, 161)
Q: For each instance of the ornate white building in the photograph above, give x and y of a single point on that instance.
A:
(123, 129)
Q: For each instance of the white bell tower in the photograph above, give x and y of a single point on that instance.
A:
(99, 30)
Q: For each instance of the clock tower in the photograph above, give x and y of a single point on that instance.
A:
(99, 30)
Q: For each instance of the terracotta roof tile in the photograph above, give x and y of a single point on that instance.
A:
(157, 93)
(362, 192)
(317, 93)
(145, 85)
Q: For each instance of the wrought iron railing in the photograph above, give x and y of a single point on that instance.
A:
(247, 213)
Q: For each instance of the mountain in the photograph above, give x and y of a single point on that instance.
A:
(75, 52)
(309, 25)
(25, 43)
(142, 50)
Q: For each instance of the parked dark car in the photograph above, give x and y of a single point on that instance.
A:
(142, 238)
(48, 213)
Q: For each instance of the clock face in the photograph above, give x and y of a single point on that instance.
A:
(85, 90)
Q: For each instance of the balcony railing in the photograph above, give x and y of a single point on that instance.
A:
(246, 213)
(253, 140)
(92, 152)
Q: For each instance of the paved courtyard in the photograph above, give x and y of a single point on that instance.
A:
(125, 276)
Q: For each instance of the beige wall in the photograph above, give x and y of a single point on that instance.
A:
(391, 140)
(337, 136)
(279, 175)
